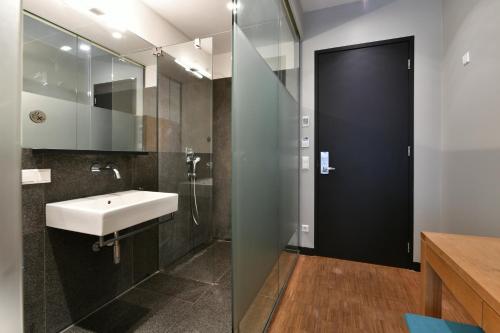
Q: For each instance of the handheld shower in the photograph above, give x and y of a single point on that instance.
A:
(192, 160)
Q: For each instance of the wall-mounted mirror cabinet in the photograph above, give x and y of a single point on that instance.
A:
(77, 95)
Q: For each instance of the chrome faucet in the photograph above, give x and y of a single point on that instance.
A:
(96, 168)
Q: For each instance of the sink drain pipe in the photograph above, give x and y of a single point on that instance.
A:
(115, 241)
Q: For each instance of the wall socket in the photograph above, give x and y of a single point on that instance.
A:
(304, 227)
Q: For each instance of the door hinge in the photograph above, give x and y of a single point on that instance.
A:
(409, 151)
(408, 247)
(409, 63)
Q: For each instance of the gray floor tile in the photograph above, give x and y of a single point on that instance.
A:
(215, 305)
(167, 303)
(184, 289)
(137, 311)
(208, 266)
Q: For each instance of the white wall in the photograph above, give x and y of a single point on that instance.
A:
(367, 21)
(471, 117)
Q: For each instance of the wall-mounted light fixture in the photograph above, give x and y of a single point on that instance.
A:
(193, 69)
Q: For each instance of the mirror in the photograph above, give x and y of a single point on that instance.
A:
(78, 95)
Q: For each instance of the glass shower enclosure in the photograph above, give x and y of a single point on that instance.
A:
(184, 97)
(177, 124)
(265, 179)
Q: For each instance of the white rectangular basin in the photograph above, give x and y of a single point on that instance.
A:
(103, 214)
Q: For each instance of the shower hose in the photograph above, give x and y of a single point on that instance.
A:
(194, 214)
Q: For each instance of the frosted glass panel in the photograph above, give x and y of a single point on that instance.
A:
(255, 185)
(259, 21)
(265, 180)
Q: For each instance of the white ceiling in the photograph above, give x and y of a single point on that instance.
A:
(196, 18)
(312, 5)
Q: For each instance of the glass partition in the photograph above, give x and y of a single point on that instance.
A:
(265, 179)
(187, 248)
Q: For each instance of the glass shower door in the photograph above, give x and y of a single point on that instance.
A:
(184, 94)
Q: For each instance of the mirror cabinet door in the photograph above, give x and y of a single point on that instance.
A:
(77, 95)
(49, 108)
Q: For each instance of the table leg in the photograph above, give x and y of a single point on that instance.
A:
(431, 287)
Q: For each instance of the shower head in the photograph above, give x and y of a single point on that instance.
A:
(195, 161)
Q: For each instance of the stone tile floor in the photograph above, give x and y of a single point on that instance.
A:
(192, 296)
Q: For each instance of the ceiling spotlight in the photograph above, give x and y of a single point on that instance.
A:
(85, 47)
(65, 48)
(117, 35)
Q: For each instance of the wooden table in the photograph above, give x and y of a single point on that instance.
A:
(469, 266)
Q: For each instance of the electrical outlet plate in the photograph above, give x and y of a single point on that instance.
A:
(305, 142)
(305, 228)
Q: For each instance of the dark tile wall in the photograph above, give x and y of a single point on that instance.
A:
(179, 236)
(222, 157)
(64, 280)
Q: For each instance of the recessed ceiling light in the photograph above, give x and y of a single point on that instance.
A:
(85, 47)
(65, 48)
(117, 35)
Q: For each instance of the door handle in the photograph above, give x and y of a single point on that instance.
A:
(325, 167)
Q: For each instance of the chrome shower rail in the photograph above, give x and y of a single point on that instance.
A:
(102, 242)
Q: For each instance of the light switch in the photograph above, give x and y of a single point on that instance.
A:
(466, 58)
(305, 162)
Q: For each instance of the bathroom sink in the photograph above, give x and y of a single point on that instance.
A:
(103, 214)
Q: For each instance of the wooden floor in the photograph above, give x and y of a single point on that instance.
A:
(330, 295)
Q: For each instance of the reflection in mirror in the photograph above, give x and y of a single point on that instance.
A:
(49, 86)
(78, 95)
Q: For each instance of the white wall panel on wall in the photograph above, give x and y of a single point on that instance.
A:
(362, 22)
